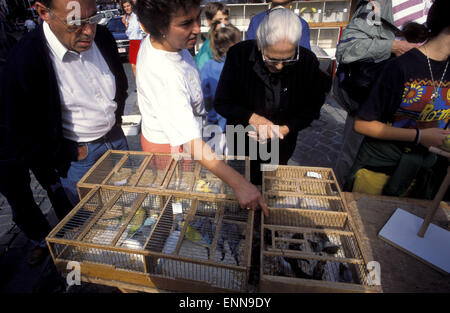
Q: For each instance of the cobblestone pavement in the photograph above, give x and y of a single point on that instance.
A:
(317, 145)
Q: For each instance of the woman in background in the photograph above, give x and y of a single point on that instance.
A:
(169, 91)
(134, 32)
(222, 37)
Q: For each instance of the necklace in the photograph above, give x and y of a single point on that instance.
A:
(435, 94)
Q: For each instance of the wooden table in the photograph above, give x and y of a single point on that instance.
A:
(400, 272)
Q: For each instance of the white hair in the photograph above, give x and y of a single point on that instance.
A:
(279, 24)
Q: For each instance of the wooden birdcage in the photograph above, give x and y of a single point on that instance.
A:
(146, 239)
(308, 240)
(144, 171)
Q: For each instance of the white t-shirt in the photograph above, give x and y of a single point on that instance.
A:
(169, 95)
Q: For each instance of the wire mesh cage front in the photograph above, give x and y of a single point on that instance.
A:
(308, 236)
(104, 220)
(310, 245)
(128, 168)
(205, 241)
(147, 171)
(190, 177)
(171, 237)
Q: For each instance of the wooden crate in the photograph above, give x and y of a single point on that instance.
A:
(313, 188)
(179, 243)
(308, 240)
(143, 171)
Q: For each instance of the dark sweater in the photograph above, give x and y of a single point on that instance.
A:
(242, 91)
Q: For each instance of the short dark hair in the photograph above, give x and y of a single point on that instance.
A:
(155, 15)
(211, 9)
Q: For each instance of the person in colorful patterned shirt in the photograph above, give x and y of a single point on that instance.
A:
(408, 111)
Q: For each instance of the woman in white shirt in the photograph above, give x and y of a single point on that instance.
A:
(169, 91)
(134, 32)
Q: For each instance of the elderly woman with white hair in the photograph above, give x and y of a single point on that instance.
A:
(271, 82)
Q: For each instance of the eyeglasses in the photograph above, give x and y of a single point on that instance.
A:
(289, 61)
(76, 24)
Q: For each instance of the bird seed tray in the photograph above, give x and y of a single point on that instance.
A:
(136, 170)
(188, 244)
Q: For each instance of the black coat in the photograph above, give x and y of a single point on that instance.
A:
(292, 98)
(30, 108)
(241, 90)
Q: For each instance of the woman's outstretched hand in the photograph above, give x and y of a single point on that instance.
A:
(249, 196)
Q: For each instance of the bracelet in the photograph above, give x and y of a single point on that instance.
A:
(417, 139)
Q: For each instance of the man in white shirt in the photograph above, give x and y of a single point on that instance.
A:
(63, 92)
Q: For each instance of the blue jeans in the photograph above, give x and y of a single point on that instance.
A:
(113, 140)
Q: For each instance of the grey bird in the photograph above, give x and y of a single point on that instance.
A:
(345, 274)
(319, 270)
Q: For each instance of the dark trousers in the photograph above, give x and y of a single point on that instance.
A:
(26, 213)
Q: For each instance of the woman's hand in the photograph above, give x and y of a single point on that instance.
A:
(246, 193)
(265, 129)
(433, 136)
(249, 196)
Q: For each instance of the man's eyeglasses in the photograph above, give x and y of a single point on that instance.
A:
(289, 61)
(76, 24)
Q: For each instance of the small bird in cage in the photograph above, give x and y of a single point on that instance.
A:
(296, 264)
(345, 274)
(230, 233)
(200, 232)
(319, 270)
(203, 186)
(323, 244)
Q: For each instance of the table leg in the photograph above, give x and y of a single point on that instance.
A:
(435, 204)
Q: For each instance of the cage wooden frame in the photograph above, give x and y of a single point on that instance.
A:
(333, 221)
(168, 174)
(145, 276)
